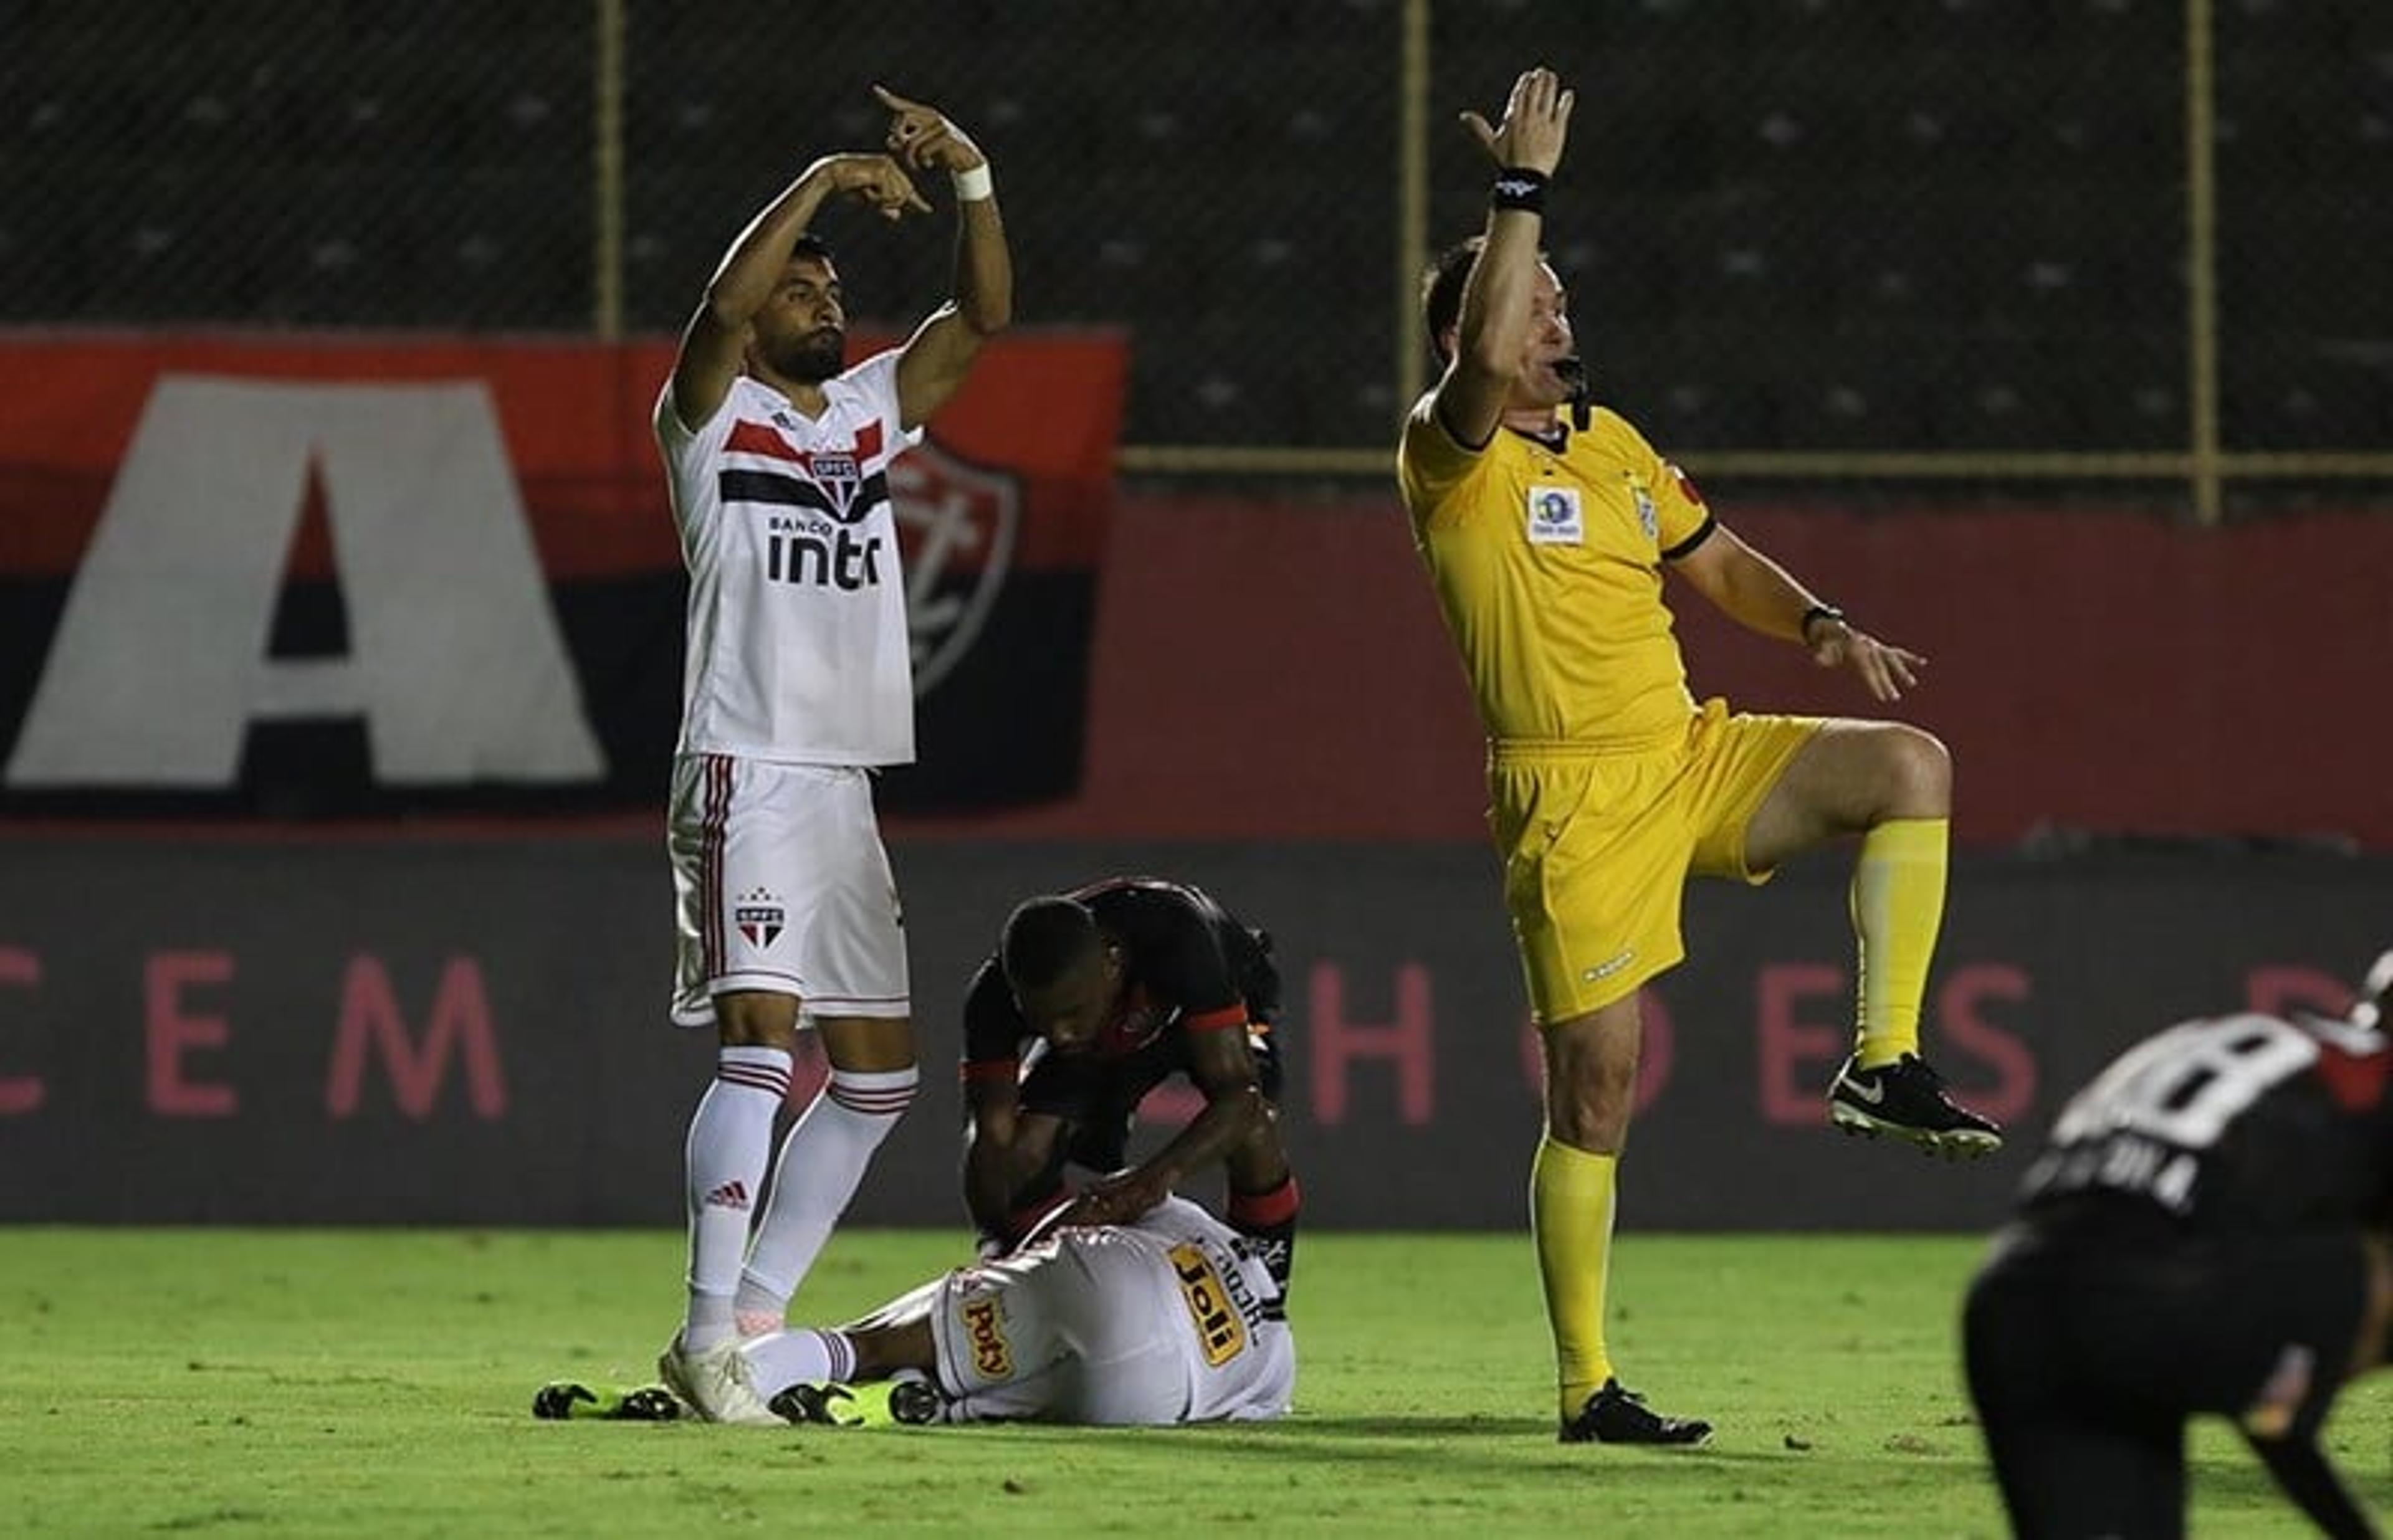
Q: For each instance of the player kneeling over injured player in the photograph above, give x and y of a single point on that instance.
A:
(1169, 1317)
(1093, 998)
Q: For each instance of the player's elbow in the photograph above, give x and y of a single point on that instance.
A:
(987, 316)
(731, 299)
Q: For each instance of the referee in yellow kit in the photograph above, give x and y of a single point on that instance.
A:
(1546, 527)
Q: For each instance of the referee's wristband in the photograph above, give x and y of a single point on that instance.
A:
(1518, 187)
(1817, 613)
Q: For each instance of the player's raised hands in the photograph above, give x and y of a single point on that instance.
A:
(875, 180)
(1536, 121)
(923, 138)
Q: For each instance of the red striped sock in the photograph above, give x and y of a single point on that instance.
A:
(820, 1164)
(730, 1143)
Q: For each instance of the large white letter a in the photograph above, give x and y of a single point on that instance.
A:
(160, 661)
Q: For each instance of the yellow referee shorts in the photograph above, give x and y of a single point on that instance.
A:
(1598, 845)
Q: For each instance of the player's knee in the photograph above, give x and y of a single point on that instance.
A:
(1591, 1112)
(1592, 1076)
(1594, 1130)
(1916, 770)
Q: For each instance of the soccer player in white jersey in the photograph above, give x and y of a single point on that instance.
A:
(797, 681)
(1169, 1317)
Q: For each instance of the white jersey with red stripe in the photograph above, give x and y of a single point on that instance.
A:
(798, 647)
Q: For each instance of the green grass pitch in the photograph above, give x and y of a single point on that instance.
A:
(379, 1383)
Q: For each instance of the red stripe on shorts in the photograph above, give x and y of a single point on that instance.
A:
(718, 808)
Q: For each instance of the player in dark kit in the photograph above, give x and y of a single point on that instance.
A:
(2205, 1233)
(1092, 999)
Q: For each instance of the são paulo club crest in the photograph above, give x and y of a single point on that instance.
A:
(957, 523)
(759, 916)
(840, 481)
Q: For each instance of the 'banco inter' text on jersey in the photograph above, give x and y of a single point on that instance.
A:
(798, 647)
(1548, 564)
(2235, 1124)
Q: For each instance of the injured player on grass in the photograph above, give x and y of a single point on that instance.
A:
(1170, 1317)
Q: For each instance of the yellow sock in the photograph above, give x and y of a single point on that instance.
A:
(1570, 1210)
(1898, 906)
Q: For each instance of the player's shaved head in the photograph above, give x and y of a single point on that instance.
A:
(1044, 939)
(1065, 977)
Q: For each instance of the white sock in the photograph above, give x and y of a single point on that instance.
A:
(781, 1359)
(821, 1162)
(730, 1140)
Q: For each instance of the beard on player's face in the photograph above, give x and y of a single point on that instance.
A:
(807, 357)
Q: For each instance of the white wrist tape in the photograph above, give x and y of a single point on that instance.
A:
(974, 185)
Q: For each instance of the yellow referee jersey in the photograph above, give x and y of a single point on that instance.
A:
(1548, 563)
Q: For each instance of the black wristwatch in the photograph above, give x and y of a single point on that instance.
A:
(1819, 612)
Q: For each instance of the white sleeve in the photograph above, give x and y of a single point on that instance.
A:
(671, 433)
(665, 420)
(682, 445)
(876, 380)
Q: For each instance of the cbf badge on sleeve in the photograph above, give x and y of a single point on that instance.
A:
(1554, 517)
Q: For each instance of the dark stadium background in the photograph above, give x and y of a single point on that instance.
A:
(2050, 337)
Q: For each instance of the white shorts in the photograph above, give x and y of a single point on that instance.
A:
(780, 884)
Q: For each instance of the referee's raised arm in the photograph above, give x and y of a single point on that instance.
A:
(1485, 356)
